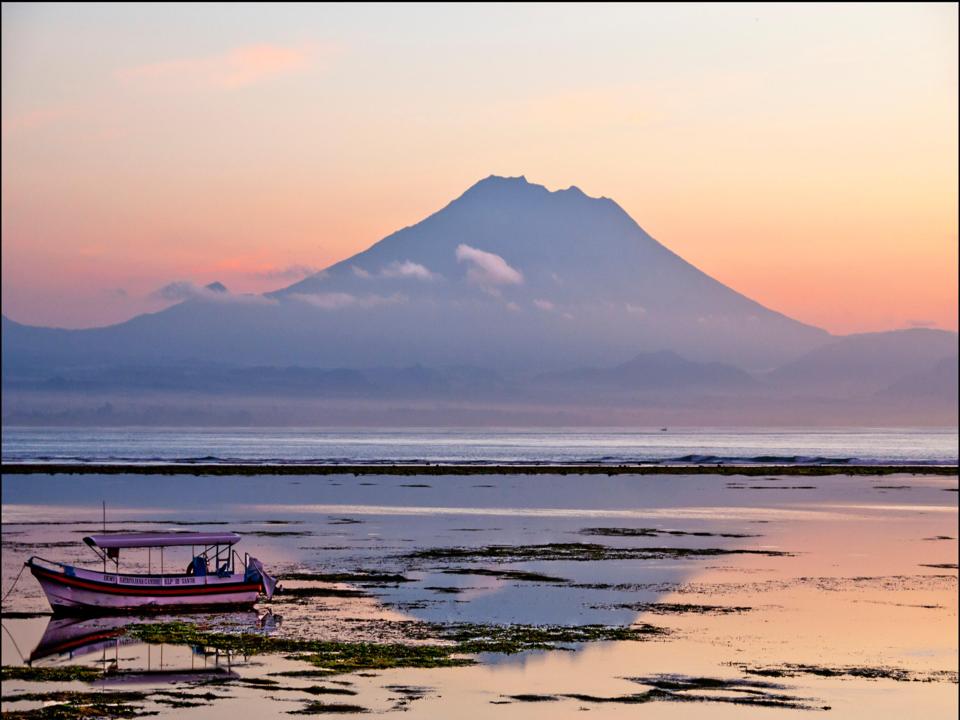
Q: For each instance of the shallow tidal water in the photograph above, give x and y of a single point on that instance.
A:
(863, 446)
(832, 596)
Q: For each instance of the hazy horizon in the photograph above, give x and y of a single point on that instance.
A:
(693, 214)
(513, 304)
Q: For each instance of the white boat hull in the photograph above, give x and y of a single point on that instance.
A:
(76, 590)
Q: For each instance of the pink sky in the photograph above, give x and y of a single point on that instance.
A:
(805, 156)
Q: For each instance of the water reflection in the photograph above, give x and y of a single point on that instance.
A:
(867, 584)
(103, 641)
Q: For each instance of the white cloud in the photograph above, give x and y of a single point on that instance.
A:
(360, 272)
(513, 307)
(183, 290)
(544, 305)
(291, 272)
(635, 309)
(397, 269)
(407, 269)
(339, 300)
(487, 269)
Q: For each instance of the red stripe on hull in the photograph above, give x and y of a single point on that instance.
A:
(110, 589)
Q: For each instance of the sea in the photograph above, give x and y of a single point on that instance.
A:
(267, 446)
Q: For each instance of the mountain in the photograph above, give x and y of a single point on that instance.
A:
(509, 276)
(866, 363)
(658, 373)
(940, 381)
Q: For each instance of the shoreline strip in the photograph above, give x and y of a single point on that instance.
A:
(451, 469)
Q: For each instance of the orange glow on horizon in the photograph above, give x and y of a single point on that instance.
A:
(806, 157)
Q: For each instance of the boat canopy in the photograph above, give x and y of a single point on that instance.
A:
(151, 539)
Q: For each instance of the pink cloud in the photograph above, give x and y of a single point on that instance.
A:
(236, 68)
(33, 119)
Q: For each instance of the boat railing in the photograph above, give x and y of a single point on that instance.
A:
(36, 560)
(68, 569)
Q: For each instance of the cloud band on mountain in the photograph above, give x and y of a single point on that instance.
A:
(290, 272)
(183, 290)
(487, 269)
(341, 300)
(407, 269)
(397, 269)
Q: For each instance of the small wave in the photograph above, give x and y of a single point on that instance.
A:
(762, 460)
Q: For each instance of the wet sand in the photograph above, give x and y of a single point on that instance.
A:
(769, 595)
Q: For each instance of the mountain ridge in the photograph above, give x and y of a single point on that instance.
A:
(559, 278)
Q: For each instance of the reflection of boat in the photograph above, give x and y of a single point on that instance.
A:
(72, 636)
(116, 676)
(69, 638)
(75, 590)
(126, 660)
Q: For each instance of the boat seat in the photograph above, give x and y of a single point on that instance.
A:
(197, 566)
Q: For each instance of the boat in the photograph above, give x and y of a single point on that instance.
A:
(215, 577)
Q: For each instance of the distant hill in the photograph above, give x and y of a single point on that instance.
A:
(658, 373)
(941, 381)
(866, 363)
(511, 305)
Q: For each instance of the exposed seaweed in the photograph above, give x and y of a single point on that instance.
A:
(283, 593)
(63, 673)
(510, 639)
(318, 707)
(69, 704)
(301, 673)
(654, 532)
(335, 657)
(255, 682)
(575, 552)
(408, 694)
(520, 575)
(357, 577)
(178, 703)
(864, 672)
(675, 608)
(180, 695)
(325, 690)
(679, 688)
(446, 644)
